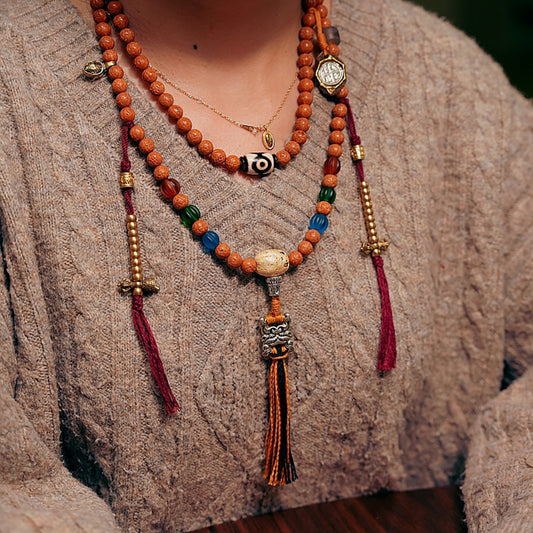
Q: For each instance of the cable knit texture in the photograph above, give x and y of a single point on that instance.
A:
(84, 442)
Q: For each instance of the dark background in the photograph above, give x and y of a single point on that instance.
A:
(503, 28)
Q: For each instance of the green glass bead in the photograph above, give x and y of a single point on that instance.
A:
(327, 194)
(189, 216)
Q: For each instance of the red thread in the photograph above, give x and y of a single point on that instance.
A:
(142, 327)
(387, 344)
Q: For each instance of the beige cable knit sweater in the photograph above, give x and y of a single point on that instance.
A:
(84, 442)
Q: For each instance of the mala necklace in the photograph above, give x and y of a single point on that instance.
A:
(276, 341)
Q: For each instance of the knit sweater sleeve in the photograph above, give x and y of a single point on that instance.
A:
(498, 487)
(37, 492)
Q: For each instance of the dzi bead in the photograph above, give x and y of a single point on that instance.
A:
(258, 163)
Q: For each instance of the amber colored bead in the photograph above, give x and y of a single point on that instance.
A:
(175, 112)
(301, 124)
(335, 150)
(305, 60)
(199, 227)
(305, 46)
(305, 85)
(233, 163)
(323, 10)
(293, 148)
(184, 124)
(110, 55)
(119, 85)
(157, 88)
(306, 33)
(146, 145)
(127, 114)
(283, 157)
(336, 137)
(222, 251)
(308, 20)
(234, 260)
(154, 158)
(295, 258)
(169, 188)
(304, 110)
(120, 21)
(194, 137)
(334, 49)
(149, 75)
(180, 201)
(115, 72)
(161, 172)
(103, 28)
(114, 7)
(305, 98)
(166, 99)
(205, 147)
(340, 110)
(141, 62)
(306, 72)
(123, 99)
(299, 136)
(126, 35)
(305, 247)
(330, 180)
(137, 133)
(337, 123)
(343, 93)
(249, 266)
(324, 208)
(312, 236)
(134, 49)
(99, 15)
(218, 156)
(97, 4)
(332, 165)
(106, 42)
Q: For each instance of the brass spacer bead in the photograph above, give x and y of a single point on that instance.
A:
(134, 240)
(127, 181)
(109, 64)
(373, 238)
(368, 211)
(372, 232)
(368, 205)
(137, 291)
(131, 218)
(137, 276)
(376, 252)
(371, 225)
(134, 248)
(358, 152)
(134, 254)
(364, 185)
(135, 262)
(370, 218)
(132, 225)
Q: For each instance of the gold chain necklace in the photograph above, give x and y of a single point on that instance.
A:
(267, 137)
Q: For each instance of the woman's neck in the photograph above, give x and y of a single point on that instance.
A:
(237, 55)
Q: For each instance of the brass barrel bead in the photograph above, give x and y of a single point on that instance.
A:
(127, 181)
(357, 152)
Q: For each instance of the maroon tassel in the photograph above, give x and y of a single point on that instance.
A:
(146, 338)
(387, 344)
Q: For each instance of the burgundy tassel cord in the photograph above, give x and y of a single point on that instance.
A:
(387, 345)
(142, 327)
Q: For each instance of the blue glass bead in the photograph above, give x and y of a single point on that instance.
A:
(319, 222)
(210, 240)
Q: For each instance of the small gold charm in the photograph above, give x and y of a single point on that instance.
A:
(148, 285)
(94, 70)
(330, 74)
(268, 140)
(374, 248)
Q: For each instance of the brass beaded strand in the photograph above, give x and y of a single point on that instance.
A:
(373, 246)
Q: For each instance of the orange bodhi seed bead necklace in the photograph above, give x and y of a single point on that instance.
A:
(328, 71)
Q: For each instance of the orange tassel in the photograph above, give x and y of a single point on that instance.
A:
(277, 343)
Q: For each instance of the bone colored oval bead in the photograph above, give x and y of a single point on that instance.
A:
(272, 263)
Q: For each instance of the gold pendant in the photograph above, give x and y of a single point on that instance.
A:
(330, 74)
(268, 140)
